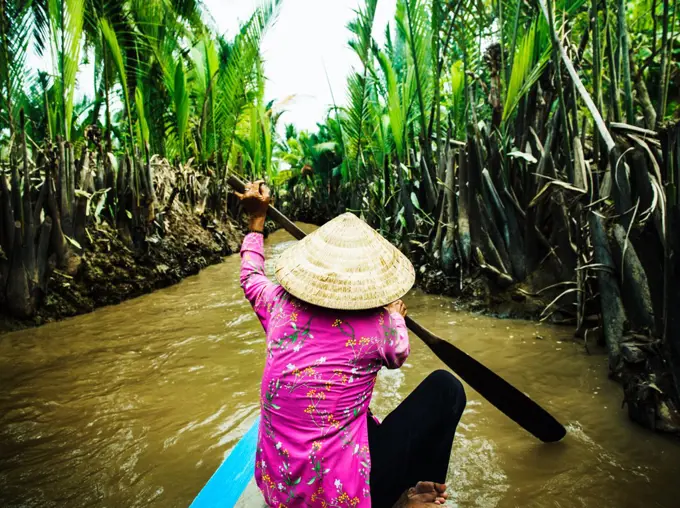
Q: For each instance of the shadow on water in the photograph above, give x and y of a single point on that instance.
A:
(137, 404)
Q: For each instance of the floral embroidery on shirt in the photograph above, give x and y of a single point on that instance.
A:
(293, 340)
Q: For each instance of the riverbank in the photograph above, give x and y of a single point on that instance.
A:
(112, 270)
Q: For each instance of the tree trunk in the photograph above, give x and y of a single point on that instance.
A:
(15, 182)
(580, 170)
(448, 256)
(59, 245)
(6, 216)
(387, 177)
(530, 239)
(405, 199)
(634, 286)
(491, 239)
(63, 190)
(516, 246)
(648, 110)
(441, 221)
(623, 202)
(430, 191)
(562, 237)
(151, 186)
(40, 202)
(28, 225)
(19, 301)
(464, 207)
(477, 235)
(42, 258)
(613, 314)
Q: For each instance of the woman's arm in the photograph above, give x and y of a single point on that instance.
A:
(256, 286)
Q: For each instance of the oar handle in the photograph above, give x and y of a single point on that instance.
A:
(425, 335)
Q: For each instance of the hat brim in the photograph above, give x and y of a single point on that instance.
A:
(345, 265)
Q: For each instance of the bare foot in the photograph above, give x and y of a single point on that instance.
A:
(424, 494)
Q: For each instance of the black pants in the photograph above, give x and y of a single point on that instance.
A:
(414, 442)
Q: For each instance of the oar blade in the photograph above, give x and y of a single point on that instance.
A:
(508, 399)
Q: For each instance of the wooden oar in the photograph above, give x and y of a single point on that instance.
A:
(490, 385)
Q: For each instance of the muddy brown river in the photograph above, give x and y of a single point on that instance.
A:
(136, 406)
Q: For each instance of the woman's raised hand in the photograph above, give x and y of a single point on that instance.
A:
(255, 200)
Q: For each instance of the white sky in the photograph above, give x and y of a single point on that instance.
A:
(309, 35)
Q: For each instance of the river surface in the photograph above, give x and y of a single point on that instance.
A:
(136, 406)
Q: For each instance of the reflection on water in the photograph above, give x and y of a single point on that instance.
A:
(136, 405)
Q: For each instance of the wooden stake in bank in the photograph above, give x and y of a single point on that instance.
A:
(490, 385)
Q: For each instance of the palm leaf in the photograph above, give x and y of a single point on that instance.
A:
(413, 23)
(458, 94)
(530, 60)
(73, 18)
(111, 40)
(361, 28)
(394, 108)
(141, 117)
(357, 118)
(180, 97)
(238, 71)
(205, 68)
(358, 113)
(15, 31)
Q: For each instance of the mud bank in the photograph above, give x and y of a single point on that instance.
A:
(111, 270)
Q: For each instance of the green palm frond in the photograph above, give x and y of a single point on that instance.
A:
(72, 18)
(361, 28)
(180, 98)
(458, 94)
(528, 63)
(116, 53)
(358, 114)
(205, 68)
(357, 118)
(16, 24)
(142, 124)
(238, 72)
(394, 105)
(414, 25)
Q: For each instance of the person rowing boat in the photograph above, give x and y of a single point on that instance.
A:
(333, 321)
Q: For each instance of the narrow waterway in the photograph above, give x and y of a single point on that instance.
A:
(136, 406)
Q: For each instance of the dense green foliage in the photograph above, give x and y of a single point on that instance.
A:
(164, 81)
(174, 104)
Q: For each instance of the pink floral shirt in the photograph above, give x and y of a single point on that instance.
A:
(317, 384)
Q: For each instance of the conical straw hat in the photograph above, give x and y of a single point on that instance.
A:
(345, 265)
